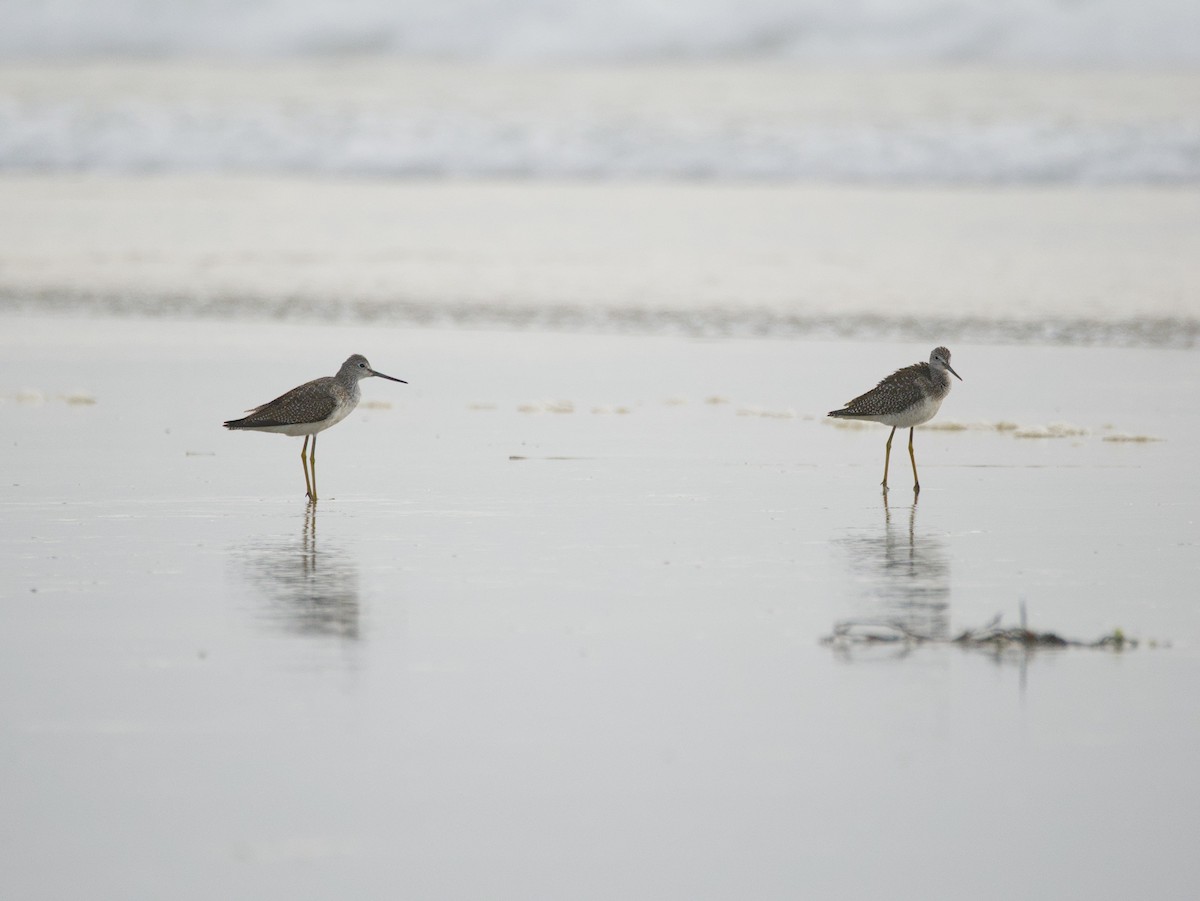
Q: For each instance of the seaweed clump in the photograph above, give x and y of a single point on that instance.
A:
(992, 636)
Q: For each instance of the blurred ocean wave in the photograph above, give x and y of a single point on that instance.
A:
(711, 121)
(1084, 32)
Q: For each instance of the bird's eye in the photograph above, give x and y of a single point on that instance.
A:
(362, 365)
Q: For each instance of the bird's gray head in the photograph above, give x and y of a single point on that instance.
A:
(357, 367)
(940, 359)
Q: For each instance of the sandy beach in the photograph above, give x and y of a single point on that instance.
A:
(557, 626)
(1109, 265)
(562, 600)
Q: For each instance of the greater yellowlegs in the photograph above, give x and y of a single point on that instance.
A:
(311, 408)
(904, 400)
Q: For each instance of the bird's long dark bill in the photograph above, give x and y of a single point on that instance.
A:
(952, 372)
(388, 377)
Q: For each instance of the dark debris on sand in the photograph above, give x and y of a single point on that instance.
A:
(992, 636)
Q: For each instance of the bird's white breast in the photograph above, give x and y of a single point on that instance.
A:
(340, 412)
(912, 416)
(343, 409)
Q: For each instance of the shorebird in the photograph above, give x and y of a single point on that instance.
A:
(311, 408)
(904, 400)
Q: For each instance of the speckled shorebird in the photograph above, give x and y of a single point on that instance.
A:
(311, 408)
(904, 400)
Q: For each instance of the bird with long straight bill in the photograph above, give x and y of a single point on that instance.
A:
(904, 400)
(311, 408)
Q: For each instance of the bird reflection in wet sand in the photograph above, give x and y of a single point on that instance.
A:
(311, 592)
(905, 573)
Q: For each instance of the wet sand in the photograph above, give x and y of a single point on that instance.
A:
(553, 629)
(1082, 265)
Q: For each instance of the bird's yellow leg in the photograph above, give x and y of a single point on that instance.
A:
(312, 464)
(308, 488)
(913, 457)
(887, 457)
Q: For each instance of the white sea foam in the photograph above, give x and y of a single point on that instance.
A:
(711, 121)
(1090, 32)
(290, 86)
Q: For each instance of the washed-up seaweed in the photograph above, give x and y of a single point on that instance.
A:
(993, 635)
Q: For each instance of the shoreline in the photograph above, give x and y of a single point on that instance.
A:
(1076, 265)
(1162, 333)
(587, 571)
